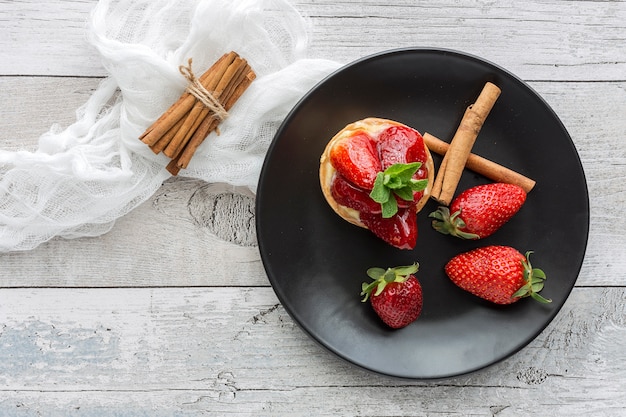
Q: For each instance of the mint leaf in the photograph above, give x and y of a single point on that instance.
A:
(403, 171)
(379, 192)
(405, 193)
(389, 207)
(392, 182)
(396, 180)
(418, 185)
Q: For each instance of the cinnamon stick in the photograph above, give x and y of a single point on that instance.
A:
(182, 128)
(172, 167)
(454, 161)
(178, 142)
(184, 104)
(232, 73)
(483, 166)
(162, 142)
(199, 113)
(219, 72)
(210, 125)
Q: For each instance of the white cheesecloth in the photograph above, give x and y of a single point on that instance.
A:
(81, 179)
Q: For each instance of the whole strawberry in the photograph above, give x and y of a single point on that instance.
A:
(395, 294)
(479, 211)
(499, 274)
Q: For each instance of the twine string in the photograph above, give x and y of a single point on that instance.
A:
(195, 88)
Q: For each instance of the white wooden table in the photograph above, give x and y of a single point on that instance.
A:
(96, 326)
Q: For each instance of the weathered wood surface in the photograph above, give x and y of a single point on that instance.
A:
(537, 40)
(103, 326)
(235, 351)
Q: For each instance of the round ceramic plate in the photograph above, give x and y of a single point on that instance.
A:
(316, 261)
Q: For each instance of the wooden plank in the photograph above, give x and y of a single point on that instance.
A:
(35, 104)
(194, 242)
(47, 38)
(595, 122)
(574, 40)
(188, 234)
(236, 351)
(537, 40)
(323, 401)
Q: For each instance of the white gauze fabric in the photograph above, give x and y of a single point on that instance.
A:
(81, 179)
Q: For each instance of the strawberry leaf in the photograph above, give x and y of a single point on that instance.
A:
(450, 224)
(534, 278)
(537, 297)
(375, 273)
(406, 270)
(380, 287)
(522, 292)
(396, 180)
(538, 273)
(381, 277)
(390, 275)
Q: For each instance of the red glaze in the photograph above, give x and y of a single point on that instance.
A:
(358, 159)
(351, 196)
(399, 231)
(399, 145)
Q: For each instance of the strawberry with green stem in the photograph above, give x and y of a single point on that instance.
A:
(499, 274)
(395, 294)
(479, 211)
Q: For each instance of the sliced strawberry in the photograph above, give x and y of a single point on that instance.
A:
(356, 159)
(361, 161)
(401, 145)
(399, 231)
(348, 195)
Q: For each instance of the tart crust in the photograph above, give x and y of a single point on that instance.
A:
(372, 126)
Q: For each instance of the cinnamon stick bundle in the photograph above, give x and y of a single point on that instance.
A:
(199, 110)
(483, 166)
(454, 161)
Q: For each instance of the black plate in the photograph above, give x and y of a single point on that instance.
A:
(316, 261)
